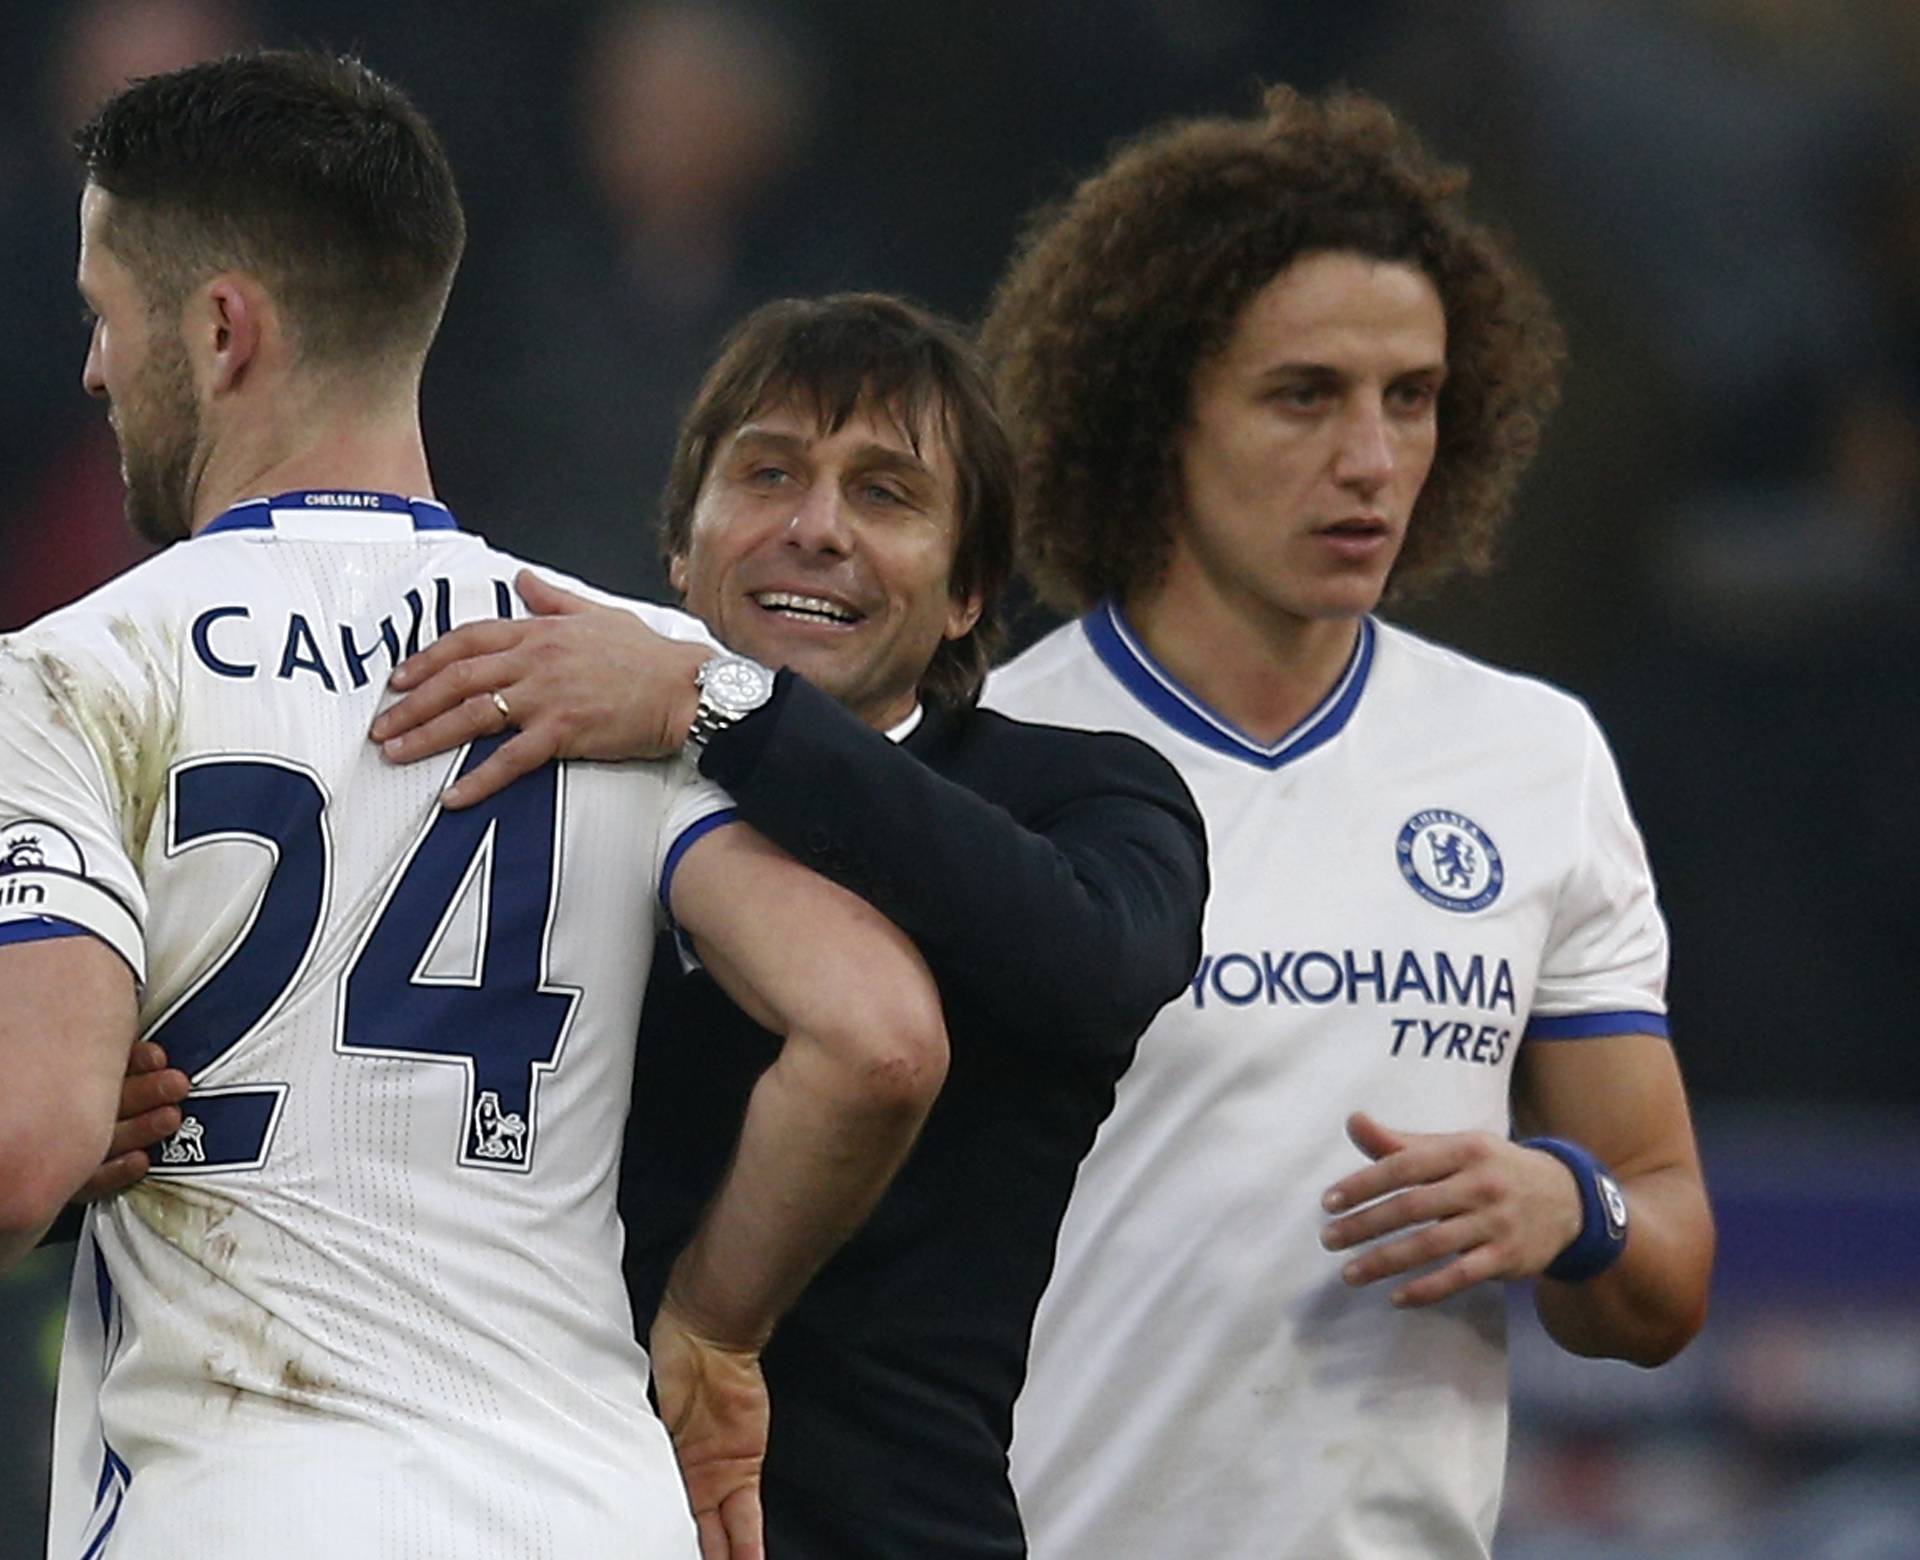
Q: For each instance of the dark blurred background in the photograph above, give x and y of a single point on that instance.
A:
(1718, 549)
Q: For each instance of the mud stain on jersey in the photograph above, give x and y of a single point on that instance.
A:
(256, 1355)
(132, 726)
(188, 1219)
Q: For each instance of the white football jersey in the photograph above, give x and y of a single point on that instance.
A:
(369, 1302)
(1433, 868)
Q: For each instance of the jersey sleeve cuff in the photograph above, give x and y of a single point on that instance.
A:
(36, 896)
(675, 852)
(1590, 1026)
(39, 929)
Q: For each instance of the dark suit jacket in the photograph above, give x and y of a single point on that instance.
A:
(1054, 882)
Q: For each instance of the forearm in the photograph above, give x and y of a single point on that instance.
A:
(1650, 1303)
(819, 1144)
(826, 1125)
(65, 1031)
(44, 1164)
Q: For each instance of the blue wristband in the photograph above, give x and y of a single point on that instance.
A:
(1603, 1213)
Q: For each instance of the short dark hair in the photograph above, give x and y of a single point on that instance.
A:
(306, 169)
(1118, 295)
(840, 354)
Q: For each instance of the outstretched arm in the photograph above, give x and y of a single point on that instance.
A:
(1104, 867)
(826, 1127)
(1109, 873)
(1482, 1207)
(580, 680)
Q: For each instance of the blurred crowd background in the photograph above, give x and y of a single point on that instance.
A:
(1719, 548)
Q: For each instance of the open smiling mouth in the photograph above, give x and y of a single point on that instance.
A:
(806, 609)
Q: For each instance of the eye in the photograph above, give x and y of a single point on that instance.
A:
(765, 475)
(1414, 396)
(1300, 396)
(88, 318)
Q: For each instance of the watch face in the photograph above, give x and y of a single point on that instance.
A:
(736, 685)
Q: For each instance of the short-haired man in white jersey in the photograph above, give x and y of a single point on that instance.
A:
(1256, 370)
(369, 1302)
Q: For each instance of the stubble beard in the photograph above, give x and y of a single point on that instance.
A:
(159, 435)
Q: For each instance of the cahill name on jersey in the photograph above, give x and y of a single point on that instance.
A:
(369, 1301)
(1433, 869)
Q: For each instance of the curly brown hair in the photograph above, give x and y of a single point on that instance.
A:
(1118, 295)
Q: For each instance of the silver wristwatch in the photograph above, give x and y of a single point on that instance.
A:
(731, 688)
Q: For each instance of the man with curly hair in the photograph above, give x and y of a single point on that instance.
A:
(1259, 372)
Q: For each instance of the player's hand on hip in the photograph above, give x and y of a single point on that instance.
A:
(713, 1400)
(150, 1097)
(578, 681)
(1478, 1205)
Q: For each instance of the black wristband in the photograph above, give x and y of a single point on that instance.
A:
(1603, 1213)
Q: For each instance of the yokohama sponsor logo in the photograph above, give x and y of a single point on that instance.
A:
(1319, 977)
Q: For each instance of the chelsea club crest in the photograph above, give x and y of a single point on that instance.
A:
(1448, 860)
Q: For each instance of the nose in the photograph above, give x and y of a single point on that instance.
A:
(92, 379)
(821, 524)
(1364, 459)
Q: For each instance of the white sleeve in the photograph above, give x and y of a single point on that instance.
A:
(695, 806)
(1605, 967)
(62, 855)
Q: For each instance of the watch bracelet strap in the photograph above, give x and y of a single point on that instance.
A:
(708, 723)
(1601, 1241)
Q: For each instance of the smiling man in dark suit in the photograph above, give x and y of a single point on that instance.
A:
(840, 506)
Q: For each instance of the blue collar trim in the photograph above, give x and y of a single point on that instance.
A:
(258, 514)
(1128, 658)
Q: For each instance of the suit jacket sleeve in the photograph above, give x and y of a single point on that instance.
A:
(1075, 921)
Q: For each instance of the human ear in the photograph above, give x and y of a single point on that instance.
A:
(227, 323)
(962, 613)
